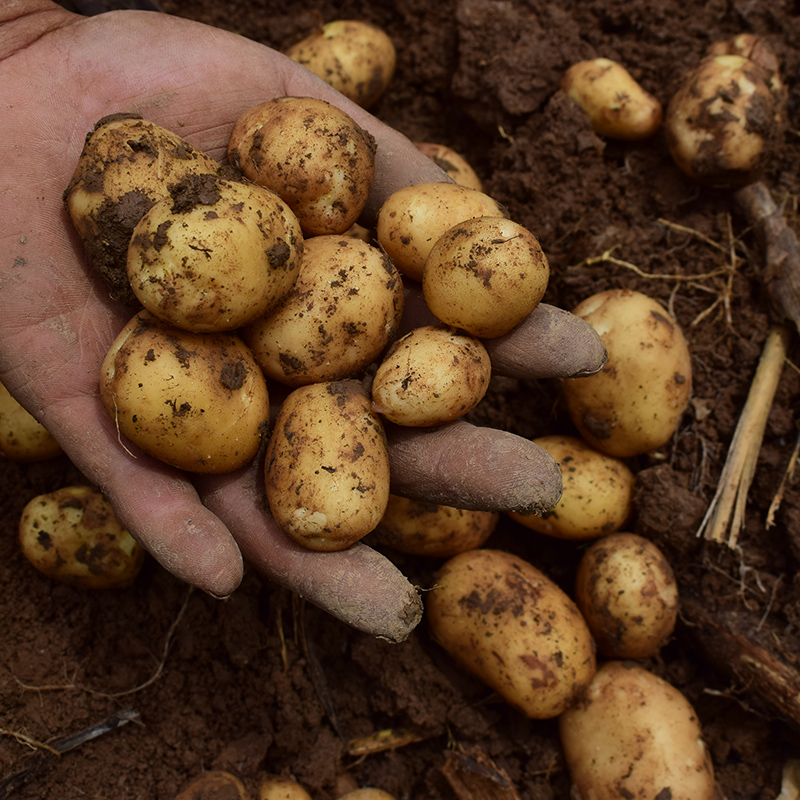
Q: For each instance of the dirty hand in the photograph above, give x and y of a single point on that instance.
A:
(59, 74)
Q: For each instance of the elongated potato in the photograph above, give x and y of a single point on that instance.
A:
(22, 436)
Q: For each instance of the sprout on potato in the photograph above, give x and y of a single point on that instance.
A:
(22, 436)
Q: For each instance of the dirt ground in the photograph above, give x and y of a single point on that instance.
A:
(262, 683)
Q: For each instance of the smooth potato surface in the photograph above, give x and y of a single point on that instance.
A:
(22, 436)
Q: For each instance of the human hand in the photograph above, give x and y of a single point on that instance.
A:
(59, 74)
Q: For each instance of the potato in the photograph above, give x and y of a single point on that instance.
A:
(343, 310)
(214, 255)
(414, 217)
(634, 735)
(453, 163)
(22, 436)
(634, 404)
(434, 374)
(356, 58)
(310, 153)
(275, 788)
(617, 105)
(127, 164)
(215, 785)
(597, 497)
(627, 593)
(485, 276)
(73, 535)
(420, 528)
(327, 466)
(367, 793)
(510, 625)
(196, 401)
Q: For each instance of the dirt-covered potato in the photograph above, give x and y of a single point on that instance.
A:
(22, 436)
(434, 374)
(510, 625)
(597, 496)
(485, 276)
(275, 788)
(196, 401)
(127, 164)
(327, 465)
(453, 163)
(420, 528)
(215, 254)
(627, 593)
(215, 785)
(73, 535)
(634, 404)
(616, 104)
(412, 219)
(356, 58)
(343, 310)
(367, 793)
(310, 153)
(634, 735)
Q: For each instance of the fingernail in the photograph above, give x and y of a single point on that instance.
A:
(585, 373)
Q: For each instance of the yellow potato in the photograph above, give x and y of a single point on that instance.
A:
(634, 735)
(634, 404)
(343, 310)
(597, 496)
(510, 625)
(367, 793)
(327, 466)
(453, 163)
(274, 788)
(215, 785)
(73, 535)
(485, 276)
(22, 436)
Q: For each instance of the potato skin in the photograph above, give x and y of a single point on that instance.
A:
(453, 163)
(634, 735)
(510, 625)
(22, 436)
(213, 785)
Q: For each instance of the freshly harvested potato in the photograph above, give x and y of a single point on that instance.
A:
(634, 404)
(434, 374)
(356, 58)
(343, 310)
(616, 104)
(127, 164)
(274, 788)
(429, 529)
(634, 735)
(22, 436)
(312, 154)
(367, 793)
(597, 497)
(215, 254)
(412, 219)
(216, 785)
(196, 401)
(510, 625)
(627, 593)
(73, 535)
(485, 276)
(327, 465)
(453, 163)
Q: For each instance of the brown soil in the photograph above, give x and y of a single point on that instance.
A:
(261, 683)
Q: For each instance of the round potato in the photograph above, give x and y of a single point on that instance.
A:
(485, 276)
(196, 401)
(22, 436)
(634, 735)
(433, 375)
(343, 310)
(356, 58)
(634, 404)
(310, 153)
(214, 255)
(73, 535)
(510, 625)
(215, 785)
(275, 788)
(327, 466)
(597, 496)
(367, 793)
(453, 163)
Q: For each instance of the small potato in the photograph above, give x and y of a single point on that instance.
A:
(453, 163)
(627, 593)
(214, 255)
(634, 404)
(413, 218)
(420, 528)
(73, 535)
(597, 497)
(634, 735)
(22, 436)
(356, 58)
(196, 401)
(433, 375)
(367, 793)
(343, 310)
(485, 276)
(216, 785)
(274, 788)
(327, 466)
(514, 628)
(310, 153)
